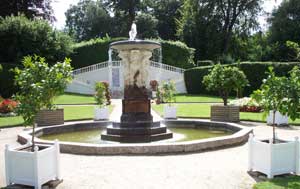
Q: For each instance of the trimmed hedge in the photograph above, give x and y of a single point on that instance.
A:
(255, 72)
(91, 52)
(7, 87)
(94, 51)
(176, 53)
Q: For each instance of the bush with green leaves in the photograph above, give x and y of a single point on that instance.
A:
(20, 36)
(166, 92)
(280, 94)
(38, 85)
(224, 80)
(100, 94)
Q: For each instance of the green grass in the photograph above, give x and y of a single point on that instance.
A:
(74, 99)
(71, 113)
(203, 111)
(197, 98)
(292, 182)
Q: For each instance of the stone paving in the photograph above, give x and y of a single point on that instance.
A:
(221, 169)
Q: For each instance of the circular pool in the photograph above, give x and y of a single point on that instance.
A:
(189, 136)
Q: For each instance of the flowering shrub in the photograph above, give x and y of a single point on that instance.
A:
(7, 106)
(246, 104)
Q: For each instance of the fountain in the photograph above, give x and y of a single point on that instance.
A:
(136, 124)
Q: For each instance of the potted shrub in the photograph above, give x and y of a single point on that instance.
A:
(277, 94)
(51, 82)
(167, 95)
(154, 86)
(107, 93)
(224, 80)
(31, 164)
(101, 112)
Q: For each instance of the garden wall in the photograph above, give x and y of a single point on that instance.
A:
(255, 72)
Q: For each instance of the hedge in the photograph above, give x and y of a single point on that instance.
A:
(94, 51)
(7, 87)
(91, 52)
(255, 72)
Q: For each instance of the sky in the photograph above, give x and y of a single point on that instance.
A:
(61, 6)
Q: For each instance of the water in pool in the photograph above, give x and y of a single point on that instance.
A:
(179, 135)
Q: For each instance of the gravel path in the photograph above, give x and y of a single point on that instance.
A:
(221, 169)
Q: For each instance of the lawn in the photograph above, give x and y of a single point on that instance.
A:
(203, 111)
(71, 113)
(197, 98)
(74, 99)
(292, 182)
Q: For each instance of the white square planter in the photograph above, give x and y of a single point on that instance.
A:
(279, 118)
(274, 159)
(32, 168)
(170, 112)
(101, 113)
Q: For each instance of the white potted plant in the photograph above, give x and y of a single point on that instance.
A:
(277, 94)
(31, 164)
(167, 95)
(224, 80)
(101, 111)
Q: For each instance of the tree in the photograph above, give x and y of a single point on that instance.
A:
(38, 85)
(125, 8)
(166, 12)
(280, 94)
(146, 26)
(30, 8)
(214, 22)
(20, 37)
(88, 19)
(225, 79)
(285, 26)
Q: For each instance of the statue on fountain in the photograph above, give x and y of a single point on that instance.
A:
(132, 32)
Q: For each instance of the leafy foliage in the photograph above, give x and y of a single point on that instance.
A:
(39, 84)
(146, 26)
(285, 26)
(255, 72)
(20, 37)
(280, 94)
(224, 80)
(100, 94)
(167, 92)
(30, 8)
(208, 25)
(107, 93)
(88, 19)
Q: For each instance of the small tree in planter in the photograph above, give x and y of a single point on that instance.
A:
(49, 82)
(224, 80)
(277, 94)
(40, 164)
(280, 94)
(39, 85)
(167, 95)
(101, 112)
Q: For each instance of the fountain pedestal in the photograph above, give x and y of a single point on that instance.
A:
(136, 123)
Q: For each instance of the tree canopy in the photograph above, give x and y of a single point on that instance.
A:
(29, 8)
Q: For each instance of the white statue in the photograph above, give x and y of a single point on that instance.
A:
(132, 32)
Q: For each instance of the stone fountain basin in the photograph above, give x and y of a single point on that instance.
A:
(135, 45)
(239, 136)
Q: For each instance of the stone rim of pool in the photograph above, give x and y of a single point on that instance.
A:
(239, 136)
